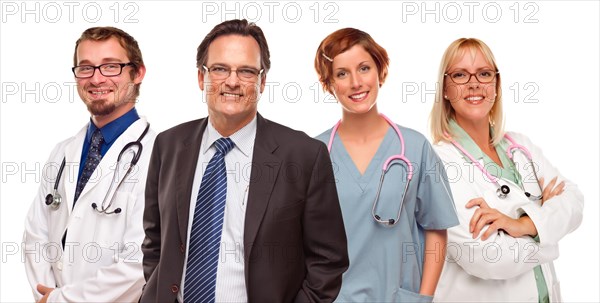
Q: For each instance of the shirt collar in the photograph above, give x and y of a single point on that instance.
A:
(243, 138)
(462, 138)
(111, 131)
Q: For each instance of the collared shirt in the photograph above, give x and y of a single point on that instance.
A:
(508, 172)
(110, 133)
(231, 285)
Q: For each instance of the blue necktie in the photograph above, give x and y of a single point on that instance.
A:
(92, 160)
(205, 237)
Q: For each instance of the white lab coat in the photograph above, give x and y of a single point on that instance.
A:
(500, 269)
(102, 258)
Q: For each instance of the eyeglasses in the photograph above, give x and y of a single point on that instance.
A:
(462, 77)
(219, 72)
(106, 69)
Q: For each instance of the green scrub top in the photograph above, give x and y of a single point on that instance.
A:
(386, 263)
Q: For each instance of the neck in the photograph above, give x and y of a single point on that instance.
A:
(362, 126)
(101, 120)
(227, 126)
(478, 130)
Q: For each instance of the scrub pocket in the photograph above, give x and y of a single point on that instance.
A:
(403, 295)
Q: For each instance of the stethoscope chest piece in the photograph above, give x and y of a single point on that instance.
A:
(503, 191)
(53, 200)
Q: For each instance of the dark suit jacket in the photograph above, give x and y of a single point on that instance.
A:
(295, 243)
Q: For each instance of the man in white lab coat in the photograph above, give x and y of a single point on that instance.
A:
(84, 229)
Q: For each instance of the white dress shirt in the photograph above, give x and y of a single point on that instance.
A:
(231, 285)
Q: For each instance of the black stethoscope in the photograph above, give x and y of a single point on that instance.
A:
(54, 199)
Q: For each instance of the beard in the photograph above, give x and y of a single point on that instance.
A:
(106, 106)
(101, 107)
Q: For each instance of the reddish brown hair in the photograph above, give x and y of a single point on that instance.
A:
(341, 41)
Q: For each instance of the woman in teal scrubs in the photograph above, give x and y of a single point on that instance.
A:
(393, 257)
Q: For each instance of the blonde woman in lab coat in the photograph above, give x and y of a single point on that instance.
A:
(512, 204)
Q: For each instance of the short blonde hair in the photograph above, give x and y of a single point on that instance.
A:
(442, 112)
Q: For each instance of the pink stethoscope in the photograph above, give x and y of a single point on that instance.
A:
(503, 190)
(386, 165)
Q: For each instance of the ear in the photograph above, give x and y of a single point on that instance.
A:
(263, 82)
(139, 76)
(201, 79)
(332, 90)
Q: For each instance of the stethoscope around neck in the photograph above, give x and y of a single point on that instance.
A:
(386, 165)
(503, 190)
(54, 200)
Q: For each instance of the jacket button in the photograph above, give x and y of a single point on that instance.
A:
(174, 288)
(182, 248)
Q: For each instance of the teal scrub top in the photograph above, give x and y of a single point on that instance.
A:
(386, 263)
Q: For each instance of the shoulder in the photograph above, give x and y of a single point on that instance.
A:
(412, 136)
(324, 136)
(518, 137)
(289, 139)
(445, 150)
(181, 131)
(80, 134)
(183, 128)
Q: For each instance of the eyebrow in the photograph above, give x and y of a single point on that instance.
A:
(229, 66)
(366, 62)
(104, 60)
(477, 70)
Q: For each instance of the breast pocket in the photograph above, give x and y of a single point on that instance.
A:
(111, 219)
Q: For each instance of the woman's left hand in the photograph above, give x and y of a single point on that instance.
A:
(485, 215)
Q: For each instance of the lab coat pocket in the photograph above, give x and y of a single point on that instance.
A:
(403, 295)
(111, 225)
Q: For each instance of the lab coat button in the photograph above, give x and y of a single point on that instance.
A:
(174, 288)
(59, 265)
(182, 248)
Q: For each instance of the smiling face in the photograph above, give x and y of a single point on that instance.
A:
(355, 80)
(231, 99)
(472, 101)
(106, 98)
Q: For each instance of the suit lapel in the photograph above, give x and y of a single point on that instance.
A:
(263, 177)
(187, 158)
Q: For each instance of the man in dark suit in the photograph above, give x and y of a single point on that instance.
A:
(279, 235)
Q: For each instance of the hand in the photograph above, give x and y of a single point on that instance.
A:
(550, 190)
(45, 291)
(485, 215)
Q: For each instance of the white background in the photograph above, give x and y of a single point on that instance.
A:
(547, 53)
